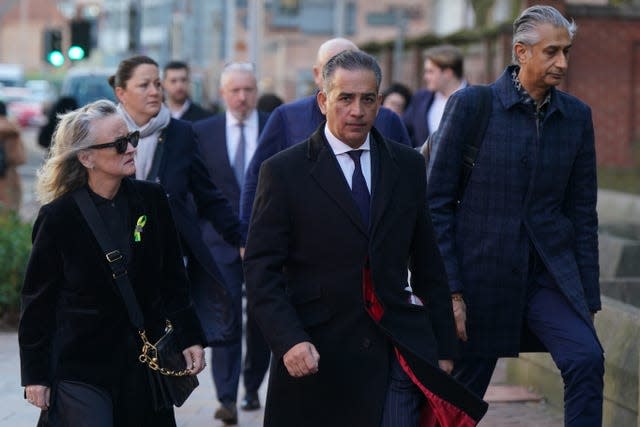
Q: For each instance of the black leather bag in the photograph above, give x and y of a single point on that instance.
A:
(170, 382)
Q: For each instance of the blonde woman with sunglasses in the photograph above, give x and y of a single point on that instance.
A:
(78, 349)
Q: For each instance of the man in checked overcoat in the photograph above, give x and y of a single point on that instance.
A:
(520, 246)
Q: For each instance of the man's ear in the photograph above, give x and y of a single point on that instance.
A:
(321, 98)
(522, 52)
(317, 75)
(86, 158)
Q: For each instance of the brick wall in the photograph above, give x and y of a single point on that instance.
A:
(604, 72)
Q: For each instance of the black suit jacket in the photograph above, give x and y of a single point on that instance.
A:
(193, 197)
(212, 138)
(74, 324)
(306, 251)
(415, 117)
(195, 112)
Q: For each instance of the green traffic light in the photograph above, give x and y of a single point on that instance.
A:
(56, 58)
(76, 53)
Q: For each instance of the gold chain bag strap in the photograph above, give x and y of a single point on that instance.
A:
(151, 356)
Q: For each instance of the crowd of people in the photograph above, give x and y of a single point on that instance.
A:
(315, 209)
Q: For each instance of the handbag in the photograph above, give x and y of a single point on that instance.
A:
(169, 380)
(171, 383)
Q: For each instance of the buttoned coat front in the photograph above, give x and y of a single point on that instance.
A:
(533, 183)
(304, 262)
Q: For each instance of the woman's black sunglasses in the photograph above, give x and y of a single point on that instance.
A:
(121, 143)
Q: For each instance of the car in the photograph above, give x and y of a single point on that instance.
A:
(87, 85)
(22, 106)
(43, 91)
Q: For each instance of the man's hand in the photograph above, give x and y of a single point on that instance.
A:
(460, 315)
(446, 365)
(194, 356)
(38, 395)
(302, 359)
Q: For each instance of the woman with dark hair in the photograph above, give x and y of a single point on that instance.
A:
(62, 105)
(168, 153)
(79, 350)
(396, 98)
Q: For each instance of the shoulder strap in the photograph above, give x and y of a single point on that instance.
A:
(115, 259)
(476, 130)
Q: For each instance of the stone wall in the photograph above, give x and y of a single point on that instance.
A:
(618, 326)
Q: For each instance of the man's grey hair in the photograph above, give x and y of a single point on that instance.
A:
(350, 60)
(232, 67)
(525, 27)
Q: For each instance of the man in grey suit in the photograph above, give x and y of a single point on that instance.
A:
(227, 142)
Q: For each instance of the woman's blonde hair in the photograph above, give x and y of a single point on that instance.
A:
(62, 171)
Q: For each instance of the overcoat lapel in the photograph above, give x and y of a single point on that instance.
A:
(327, 173)
(384, 172)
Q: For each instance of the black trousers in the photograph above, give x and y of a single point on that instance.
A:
(126, 404)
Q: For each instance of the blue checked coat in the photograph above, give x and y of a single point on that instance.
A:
(530, 186)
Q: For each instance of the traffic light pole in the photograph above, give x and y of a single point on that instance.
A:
(135, 26)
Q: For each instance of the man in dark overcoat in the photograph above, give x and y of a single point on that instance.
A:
(337, 220)
(521, 245)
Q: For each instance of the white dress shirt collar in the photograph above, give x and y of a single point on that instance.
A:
(340, 149)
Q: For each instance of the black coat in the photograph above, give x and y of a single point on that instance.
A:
(195, 112)
(304, 266)
(74, 325)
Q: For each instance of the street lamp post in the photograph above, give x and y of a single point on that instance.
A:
(398, 46)
(135, 26)
(256, 17)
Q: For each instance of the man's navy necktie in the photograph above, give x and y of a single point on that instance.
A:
(238, 162)
(359, 189)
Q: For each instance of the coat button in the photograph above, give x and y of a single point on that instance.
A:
(366, 343)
